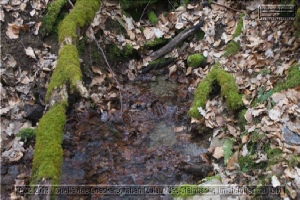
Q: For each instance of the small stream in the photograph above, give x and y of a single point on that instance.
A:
(150, 147)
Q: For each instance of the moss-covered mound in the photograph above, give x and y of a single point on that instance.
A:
(196, 60)
(229, 90)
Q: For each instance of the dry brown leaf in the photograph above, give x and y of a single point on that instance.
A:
(218, 153)
(29, 52)
(13, 31)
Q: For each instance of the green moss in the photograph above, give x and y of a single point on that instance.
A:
(229, 90)
(239, 26)
(196, 60)
(128, 50)
(50, 18)
(48, 151)
(82, 13)
(200, 34)
(246, 163)
(152, 18)
(187, 190)
(133, 3)
(231, 48)
(27, 135)
(67, 69)
(156, 41)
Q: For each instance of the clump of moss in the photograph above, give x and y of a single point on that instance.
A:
(50, 18)
(82, 13)
(67, 69)
(133, 3)
(239, 26)
(229, 90)
(246, 163)
(187, 190)
(27, 135)
(196, 60)
(200, 34)
(152, 18)
(155, 42)
(128, 50)
(231, 48)
(48, 151)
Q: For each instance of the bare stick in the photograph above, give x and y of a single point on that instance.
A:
(225, 6)
(111, 71)
(70, 2)
(144, 10)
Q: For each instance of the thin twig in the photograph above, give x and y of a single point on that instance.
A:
(144, 10)
(111, 71)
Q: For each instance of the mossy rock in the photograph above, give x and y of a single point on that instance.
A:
(152, 18)
(297, 23)
(229, 90)
(196, 60)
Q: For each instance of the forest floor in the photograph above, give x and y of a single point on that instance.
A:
(146, 137)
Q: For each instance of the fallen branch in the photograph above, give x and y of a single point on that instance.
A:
(225, 6)
(177, 40)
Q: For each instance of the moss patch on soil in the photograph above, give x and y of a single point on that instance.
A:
(67, 69)
(48, 151)
(229, 90)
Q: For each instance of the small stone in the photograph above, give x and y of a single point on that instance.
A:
(290, 137)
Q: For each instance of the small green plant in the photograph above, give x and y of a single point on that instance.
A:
(152, 18)
(196, 60)
(128, 50)
(27, 135)
(227, 148)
